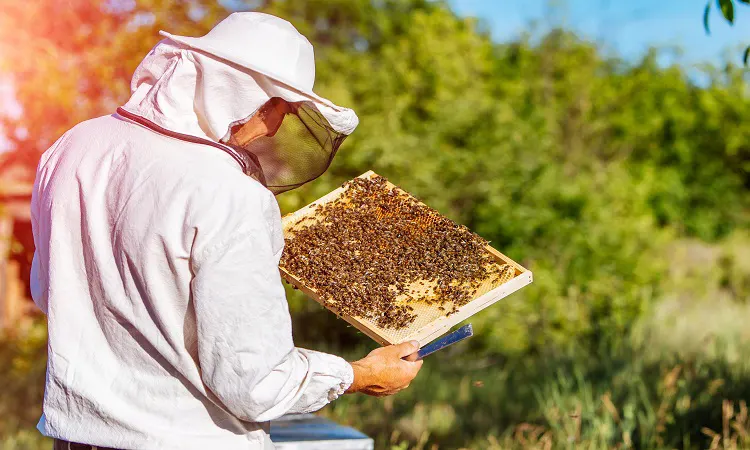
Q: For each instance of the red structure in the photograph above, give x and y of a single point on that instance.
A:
(16, 241)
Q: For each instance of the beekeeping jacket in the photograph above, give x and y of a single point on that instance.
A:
(157, 262)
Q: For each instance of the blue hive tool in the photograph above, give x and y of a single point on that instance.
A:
(459, 335)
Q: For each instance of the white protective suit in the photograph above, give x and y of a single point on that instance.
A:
(157, 266)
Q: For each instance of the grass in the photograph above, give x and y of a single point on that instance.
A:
(615, 400)
(638, 395)
(679, 380)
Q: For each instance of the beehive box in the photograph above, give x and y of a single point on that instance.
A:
(430, 321)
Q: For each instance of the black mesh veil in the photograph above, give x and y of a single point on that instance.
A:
(300, 150)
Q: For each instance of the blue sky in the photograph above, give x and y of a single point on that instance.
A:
(628, 27)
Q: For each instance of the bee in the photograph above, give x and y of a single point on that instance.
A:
(374, 247)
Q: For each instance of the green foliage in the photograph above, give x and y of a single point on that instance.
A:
(26, 439)
(514, 140)
(23, 357)
(623, 186)
(727, 11)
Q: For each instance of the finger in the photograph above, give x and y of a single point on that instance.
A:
(406, 348)
(411, 358)
(394, 391)
(414, 368)
(403, 387)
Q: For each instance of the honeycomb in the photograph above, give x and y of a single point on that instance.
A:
(381, 259)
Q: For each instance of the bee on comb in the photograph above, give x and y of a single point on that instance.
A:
(375, 252)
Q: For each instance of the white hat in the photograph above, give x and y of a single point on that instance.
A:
(284, 54)
(204, 86)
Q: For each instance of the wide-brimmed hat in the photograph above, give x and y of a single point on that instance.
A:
(262, 43)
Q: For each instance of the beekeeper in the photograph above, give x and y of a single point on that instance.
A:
(158, 239)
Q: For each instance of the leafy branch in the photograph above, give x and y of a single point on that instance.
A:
(727, 8)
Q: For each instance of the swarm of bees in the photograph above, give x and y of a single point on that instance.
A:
(375, 251)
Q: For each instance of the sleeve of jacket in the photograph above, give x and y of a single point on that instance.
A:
(246, 353)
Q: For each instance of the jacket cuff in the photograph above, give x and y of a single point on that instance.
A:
(330, 375)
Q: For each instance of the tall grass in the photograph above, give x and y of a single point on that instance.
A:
(679, 380)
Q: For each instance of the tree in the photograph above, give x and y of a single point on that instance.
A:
(68, 61)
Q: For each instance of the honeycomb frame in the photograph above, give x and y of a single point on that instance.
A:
(430, 322)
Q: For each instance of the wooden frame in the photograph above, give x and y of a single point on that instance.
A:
(434, 328)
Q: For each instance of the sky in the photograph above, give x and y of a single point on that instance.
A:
(628, 27)
(625, 27)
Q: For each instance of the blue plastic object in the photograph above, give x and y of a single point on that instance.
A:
(462, 333)
(318, 431)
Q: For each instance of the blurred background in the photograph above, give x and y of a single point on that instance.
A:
(603, 144)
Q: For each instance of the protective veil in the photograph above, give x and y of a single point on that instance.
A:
(203, 87)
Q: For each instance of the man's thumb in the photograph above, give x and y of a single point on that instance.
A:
(407, 348)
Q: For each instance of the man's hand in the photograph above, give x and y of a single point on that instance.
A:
(383, 372)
